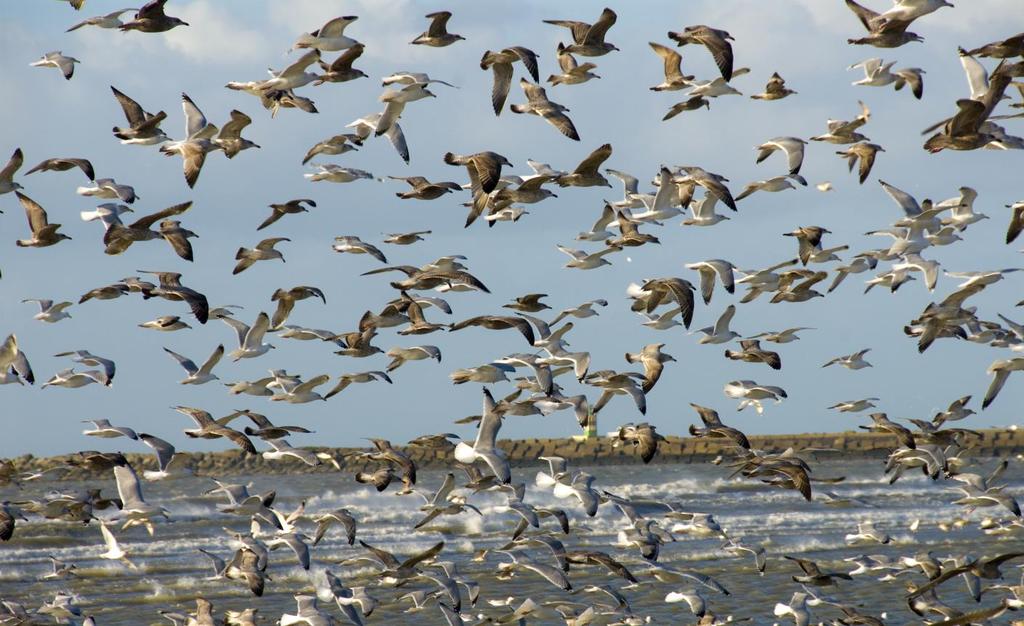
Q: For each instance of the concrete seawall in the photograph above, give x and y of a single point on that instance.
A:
(522, 452)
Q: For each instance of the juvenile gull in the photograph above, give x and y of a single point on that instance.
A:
(437, 35)
(774, 90)
(264, 251)
(865, 152)
(63, 165)
(500, 63)
(143, 128)
(152, 19)
(716, 41)
(165, 323)
(674, 77)
(552, 112)
(291, 207)
(338, 144)
(170, 288)
(572, 72)
(340, 70)
(44, 234)
(230, 138)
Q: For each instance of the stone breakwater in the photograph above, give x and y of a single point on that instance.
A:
(525, 452)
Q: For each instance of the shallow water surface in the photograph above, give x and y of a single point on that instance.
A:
(172, 572)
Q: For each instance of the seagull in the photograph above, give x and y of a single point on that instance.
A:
(484, 447)
(355, 245)
(774, 184)
(703, 212)
(584, 261)
(843, 132)
(792, 146)
(339, 516)
(199, 135)
(775, 89)
(749, 393)
(103, 428)
(423, 189)
(867, 533)
(484, 169)
(720, 332)
(108, 189)
(855, 406)
(865, 152)
(500, 63)
(143, 128)
(165, 323)
(210, 429)
(293, 76)
(287, 208)
(853, 361)
(55, 59)
(264, 251)
(365, 126)
(44, 234)
(1001, 370)
(114, 550)
(399, 356)
(716, 41)
(87, 358)
(168, 461)
(230, 138)
(198, 375)
(573, 73)
(914, 262)
(674, 77)
(588, 39)
(63, 164)
(552, 112)
(7, 184)
(71, 379)
(118, 237)
(397, 99)
(330, 37)
(340, 70)
(50, 312)
(171, 289)
(250, 339)
(135, 510)
(152, 19)
(336, 174)
(295, 391)
(582, 311)
(437, 35)
(110, 20)
(708, 89)
(338, 144)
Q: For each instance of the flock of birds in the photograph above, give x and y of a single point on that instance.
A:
(541, 542)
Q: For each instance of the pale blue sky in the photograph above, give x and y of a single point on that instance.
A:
(236, 40)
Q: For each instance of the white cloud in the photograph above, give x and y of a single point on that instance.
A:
(212, 36)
